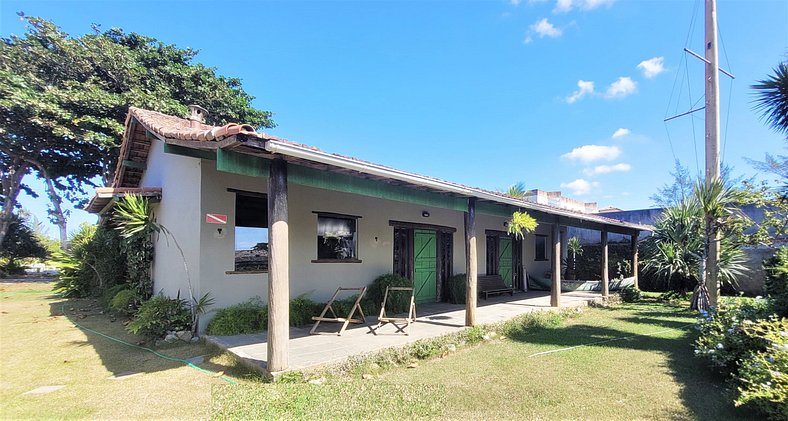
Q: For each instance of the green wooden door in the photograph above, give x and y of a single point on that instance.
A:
(425, 265)
(505, 265)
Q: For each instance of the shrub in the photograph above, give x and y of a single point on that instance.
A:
(109, 293)
(763, 374)
(94, 262)
(722, 340)
(398, 302)
(455, 289)
(342, 307)
(302, 309)
(776, 283)
(125, 301)
(158, 315)
(249, 317)
(673, 297)
(629, 294)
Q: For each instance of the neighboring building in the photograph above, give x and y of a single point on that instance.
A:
(259, 216)
(556, 199)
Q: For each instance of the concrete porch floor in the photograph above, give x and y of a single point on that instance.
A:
(432, 320)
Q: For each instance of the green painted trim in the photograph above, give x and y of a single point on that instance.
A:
(348, 184)
(238, 163)
(134, 164)
(493, 209)
(192, 153)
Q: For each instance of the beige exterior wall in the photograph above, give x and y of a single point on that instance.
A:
(192, 187)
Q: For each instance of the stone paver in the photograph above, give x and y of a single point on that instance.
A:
(44, 389)
(433, 320)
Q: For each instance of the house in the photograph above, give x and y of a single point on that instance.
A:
(259, 216)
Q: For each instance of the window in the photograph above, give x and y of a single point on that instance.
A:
(492, 255)
(251, 232)
(540, 248)
(336, 238)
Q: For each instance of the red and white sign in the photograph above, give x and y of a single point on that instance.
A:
(215, 218)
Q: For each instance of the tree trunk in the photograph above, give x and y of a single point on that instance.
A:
(11, 182)
(55, 200)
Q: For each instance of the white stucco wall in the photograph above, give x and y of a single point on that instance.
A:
(192, 187)
(179, 179)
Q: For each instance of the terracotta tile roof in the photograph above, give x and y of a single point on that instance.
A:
(136, 146)
(182, 129)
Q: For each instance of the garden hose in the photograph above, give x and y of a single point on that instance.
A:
(156, 353)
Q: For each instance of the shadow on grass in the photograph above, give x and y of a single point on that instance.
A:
(123, 353)
(702, 391)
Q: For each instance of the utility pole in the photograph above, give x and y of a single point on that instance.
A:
(712, 144)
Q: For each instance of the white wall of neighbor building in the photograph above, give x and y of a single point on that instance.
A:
(179, 179)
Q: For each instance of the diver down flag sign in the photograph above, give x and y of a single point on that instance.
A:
(215, 218)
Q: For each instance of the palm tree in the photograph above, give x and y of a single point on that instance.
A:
(772, 98)
(516, 190)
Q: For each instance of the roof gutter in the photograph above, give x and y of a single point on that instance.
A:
(274, 146)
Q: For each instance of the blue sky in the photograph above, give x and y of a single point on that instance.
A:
(484, 93)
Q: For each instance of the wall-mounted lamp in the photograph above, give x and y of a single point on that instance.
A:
(425, 214)
(505, 224)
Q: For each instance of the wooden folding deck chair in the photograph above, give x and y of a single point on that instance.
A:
(336, 319)
(406, 321)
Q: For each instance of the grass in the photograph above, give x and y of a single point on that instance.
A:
(650, 375)
(41, 347)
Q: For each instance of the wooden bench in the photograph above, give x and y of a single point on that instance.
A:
(492, 284)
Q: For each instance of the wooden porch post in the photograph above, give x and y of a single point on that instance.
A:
(605, 266)
(278, 268)
(635, 258)
(555, 290)
(470, 263)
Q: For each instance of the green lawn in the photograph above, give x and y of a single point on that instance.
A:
(652, 375)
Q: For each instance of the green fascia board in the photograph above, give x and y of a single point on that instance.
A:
(349, 184)
(192, 153)
(242, 164)
(493, 209)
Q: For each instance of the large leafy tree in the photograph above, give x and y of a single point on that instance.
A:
(63, 101)
(21, 242)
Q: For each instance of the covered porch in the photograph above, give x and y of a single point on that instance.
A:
(433, 320)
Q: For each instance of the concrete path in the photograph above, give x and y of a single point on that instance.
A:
(312, 351)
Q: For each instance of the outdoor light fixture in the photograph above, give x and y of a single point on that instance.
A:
(505, 224)
(425, 214)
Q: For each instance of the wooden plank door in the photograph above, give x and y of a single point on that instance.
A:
(505, 264)
(425, 265)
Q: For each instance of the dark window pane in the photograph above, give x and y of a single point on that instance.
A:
(336, 238)
(540, 247)
(251, 233)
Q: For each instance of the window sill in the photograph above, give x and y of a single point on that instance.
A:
(244, 272)
(336, 261)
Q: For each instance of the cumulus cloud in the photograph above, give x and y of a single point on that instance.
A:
(652, 66)
(591, 153)
(563, 6)
(544, 28)
(607, 169)
(622, 87)
(584, 88)
(579, 187)
(621, 132)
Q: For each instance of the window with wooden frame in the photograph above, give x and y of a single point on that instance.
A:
(251, 232)
(337, 240)
(540, 248)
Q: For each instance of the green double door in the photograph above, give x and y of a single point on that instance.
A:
(505, 263)
(425, 265)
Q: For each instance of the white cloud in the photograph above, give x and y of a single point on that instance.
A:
(563, 6)
(544, 28)
(607, 169)
(652, 66)
(579, 187)
(591, 153)
(622, 87)
(515, 2)
(621, 132)
(585, 87)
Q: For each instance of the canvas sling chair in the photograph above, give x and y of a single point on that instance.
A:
(336, 319)
(401, 323)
